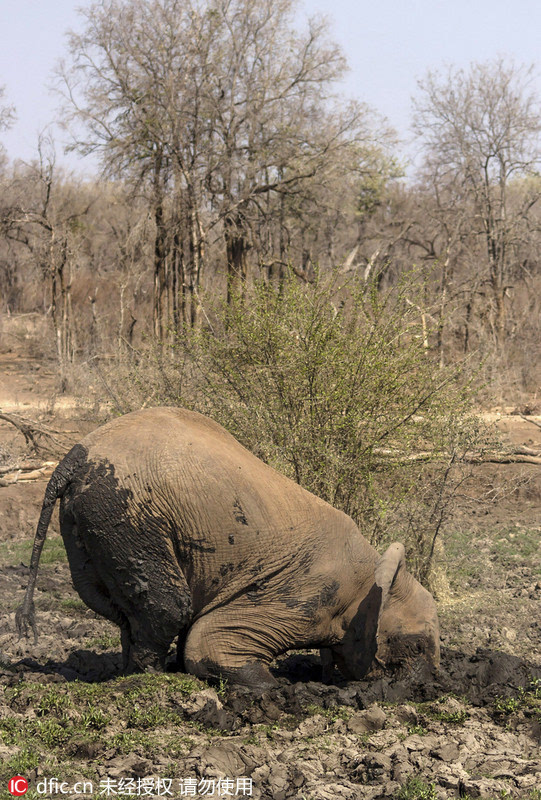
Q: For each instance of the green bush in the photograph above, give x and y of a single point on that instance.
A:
(333, 384)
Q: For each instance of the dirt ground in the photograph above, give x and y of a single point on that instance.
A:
(473, 730)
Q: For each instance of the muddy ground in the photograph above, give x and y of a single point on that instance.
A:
(474, 730)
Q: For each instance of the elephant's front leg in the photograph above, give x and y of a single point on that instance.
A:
(223, 644)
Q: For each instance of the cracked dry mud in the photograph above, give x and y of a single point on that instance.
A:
(474, 730)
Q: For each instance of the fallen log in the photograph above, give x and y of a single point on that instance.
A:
(519, 455)
(26, 466)
(34, 431)
(526, 451)
(528, 419)
(503, 458)
(13, 475)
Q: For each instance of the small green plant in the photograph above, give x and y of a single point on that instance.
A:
(10, 731)
(11, 693)
(148, 717)
(535, 691)
(26, 760)
(50, 732)
(128, 741)
(527, 701)
(267, 730)
(53, 702)
(452, 717)
(188, 685)
(437, 711)
(107, 641)
(94, 719)
(13, 553)
(331, 714)
(417, 789)
(507, 705)
(73, 604)
(420, 730)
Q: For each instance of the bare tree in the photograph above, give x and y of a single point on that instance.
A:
(480, 131)
(45, 213)
(123, 86)
(7, 112)
(7, 115)
(275, 133)
(221, 114)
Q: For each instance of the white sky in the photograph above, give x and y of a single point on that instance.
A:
(389, 45)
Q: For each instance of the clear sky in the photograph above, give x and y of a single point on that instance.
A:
(389, 45)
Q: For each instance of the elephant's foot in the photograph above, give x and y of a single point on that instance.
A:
(226, 644)
(144, 662)
(254, 675)
(138, 656)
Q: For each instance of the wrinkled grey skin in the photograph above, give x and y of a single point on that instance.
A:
(174, 531)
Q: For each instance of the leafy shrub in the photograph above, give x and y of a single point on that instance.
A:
(333, 384)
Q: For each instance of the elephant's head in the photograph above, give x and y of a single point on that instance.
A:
(392, 625)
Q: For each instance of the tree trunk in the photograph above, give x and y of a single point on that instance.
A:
(159, 311)
(197, 254)
(178, 279)
(500, 317)
(467, 322)
(160, 274)
(61, 310)
(237, 265)
(442, 309)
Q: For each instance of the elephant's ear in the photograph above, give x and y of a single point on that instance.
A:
(360, 644)
(393, 559)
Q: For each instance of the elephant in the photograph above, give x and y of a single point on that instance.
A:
(175, 532)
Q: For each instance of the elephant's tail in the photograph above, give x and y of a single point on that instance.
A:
(58, 483)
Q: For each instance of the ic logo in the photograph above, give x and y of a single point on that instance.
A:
(18, 785)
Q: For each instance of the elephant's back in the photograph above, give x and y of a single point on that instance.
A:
(192, 460)
(229, 520)
(164, 426)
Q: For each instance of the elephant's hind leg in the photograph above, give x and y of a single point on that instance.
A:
(88, 584)
(159, 610)
(119, 577)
